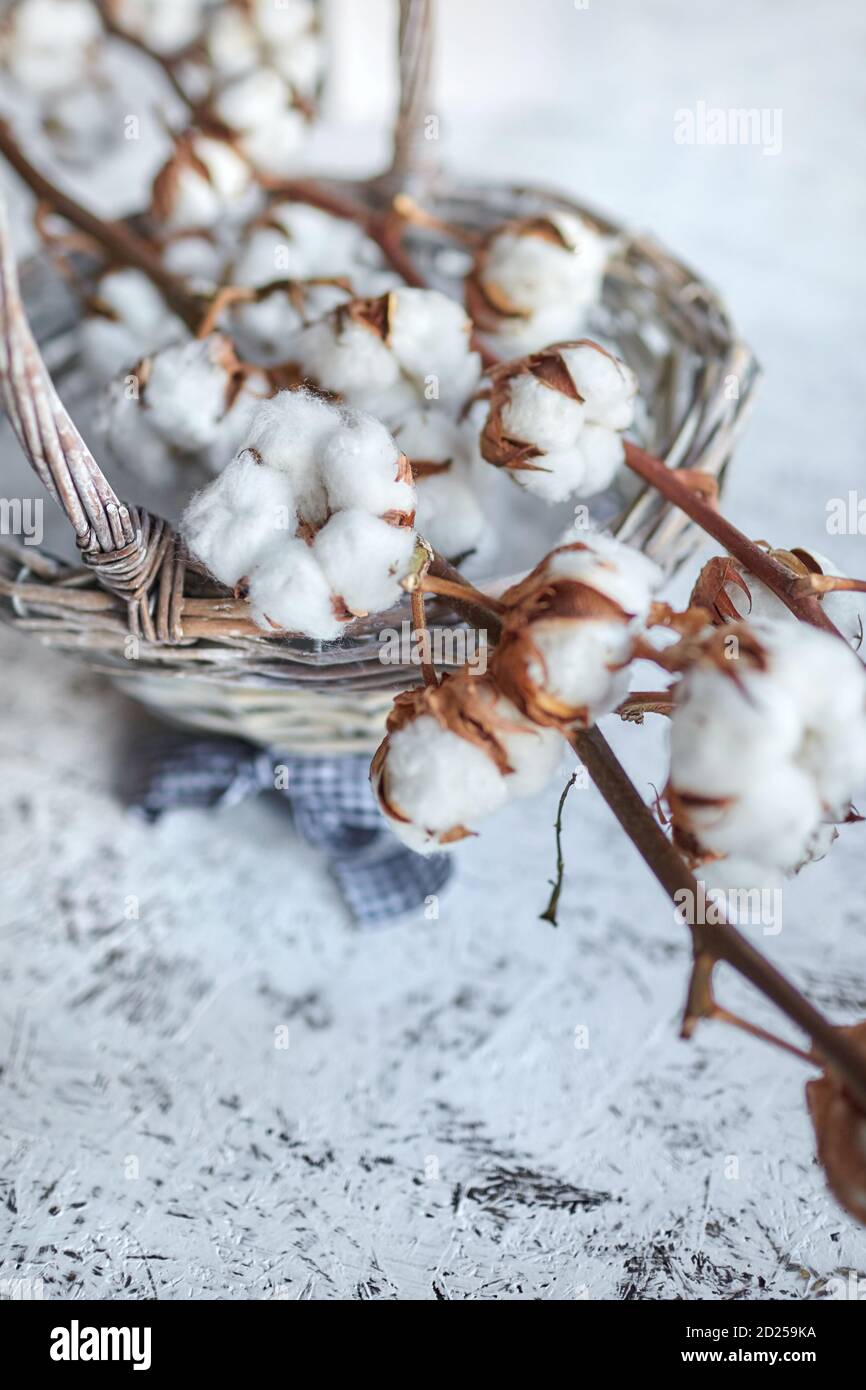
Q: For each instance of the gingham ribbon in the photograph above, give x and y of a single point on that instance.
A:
(332, 806)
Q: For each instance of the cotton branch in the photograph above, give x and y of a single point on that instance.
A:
(712, 942)
(118, 240)
(781, 582)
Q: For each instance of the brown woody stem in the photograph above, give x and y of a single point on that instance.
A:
(166, 64)
(419, 623)
(120, 242)
(713, 941)
(777, 578)
(720, 1015)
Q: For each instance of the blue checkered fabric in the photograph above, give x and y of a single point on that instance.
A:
(332, 806)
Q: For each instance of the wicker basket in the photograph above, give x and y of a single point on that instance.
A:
(143, 614)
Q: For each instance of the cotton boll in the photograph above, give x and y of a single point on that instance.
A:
(350, 360)
(553, 440)
(429, 335)
(133, 319)
(607, 386)
(364, 559)
(273, 146)
(47, 45)
(362, 467)
(528, 271)
(289, 432)
(764, 755)
(166, 26)
(568, 631)
(200, 184)
(249, 101)
(265, 328)
(186, 394)
(611, 567)
(575, 663)
(723, 731)
(534, 754)
(845, 609)
(439, 780)
(772, 819)
(603, 455)
(245, 512)
(288, 590)
(539, 415)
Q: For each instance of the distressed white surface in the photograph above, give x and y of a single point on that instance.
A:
(432, 1130)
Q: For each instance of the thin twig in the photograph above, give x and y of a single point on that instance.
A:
(713, 941)
(166, 64)
(549, 913)
(777, 578)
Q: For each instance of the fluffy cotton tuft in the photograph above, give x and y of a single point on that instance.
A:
(340, 540)
(362, 466)
(454, 754)
(129, 317)
(364, 559)
(534, 280)
(166, 26)
(47, 45)
(246, 512)
(393, 354)
(760, 763)
(554, 418)
(201, 184)
(288, 590)
(569, 631)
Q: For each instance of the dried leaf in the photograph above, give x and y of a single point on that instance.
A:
(710, 589)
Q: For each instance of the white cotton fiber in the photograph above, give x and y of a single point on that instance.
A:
(186, 393)
(364, 559)
(783, 745)
(232, 522)
(439, 780)
(289, 591)
(429, 334)
(359, 466)
(289, 432)
(351, 360)
(537, 414)
(613, 568)
(576, 660)
(607, 386)
(533, 272)
(136, 322)
(534, 754)
(449, 515)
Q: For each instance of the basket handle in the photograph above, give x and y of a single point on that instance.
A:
(46, 433)
(413, 161)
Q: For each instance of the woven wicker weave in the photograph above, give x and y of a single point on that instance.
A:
(140, 611)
